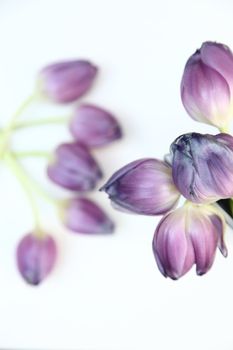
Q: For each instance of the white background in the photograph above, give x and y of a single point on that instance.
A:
(106, 292)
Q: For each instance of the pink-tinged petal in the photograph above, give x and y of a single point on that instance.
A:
(94, 126)
(219, 57)
(144, 187)
(205, 93)
(74, 168)
(66, 81)
(84, 216)
(172, 246)
(202, 166)
(36, 257)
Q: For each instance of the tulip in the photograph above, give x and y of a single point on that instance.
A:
(84, 216)
(93, 126)
(74, 168)
(36, 257)
(66, 81)
(207, 85)
(187, 236)
(144, 186)
(202, 166)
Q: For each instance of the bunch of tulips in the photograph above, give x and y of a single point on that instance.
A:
(71, 166)
(199, 169)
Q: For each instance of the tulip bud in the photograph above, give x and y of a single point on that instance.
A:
(36, 257)
(66, 81)
(205, 91)
(187, 236)
(94, 127)
(144, 186)
(74, 168)
(202, 166)
(84, 216)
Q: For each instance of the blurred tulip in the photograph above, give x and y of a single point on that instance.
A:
(144, 186)
(93, 126)
(202, 166)
(36, 257)
(84, 216)
(66, 81)
(74, 168)
(187, 236)
(207, 85)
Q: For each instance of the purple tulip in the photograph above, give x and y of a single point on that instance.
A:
(207, 85)
(66, 81)
(187, 236)
(74, 168)
(84, 216)
(93, 126)
(36, 257)
(202, 166)
(144, 186)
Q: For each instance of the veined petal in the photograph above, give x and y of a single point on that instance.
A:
(144, 187)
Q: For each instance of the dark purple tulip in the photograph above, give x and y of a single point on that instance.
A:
(202, 166)
(66, 81)
(187, 236)
(36, 257)
(93, 126)
(74, 168)
(144, 186)
(207, 85)
(84, 216)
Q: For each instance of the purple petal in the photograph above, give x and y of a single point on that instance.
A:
(205, 93)
(84, 216)
(94, 127)
(36, 257)
(202, 166)
(172, 246)
(144, 187)
(67, 81)
(74, 168)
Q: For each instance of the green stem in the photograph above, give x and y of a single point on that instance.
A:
(25, 154)
(224, 130)
(40, 122)
(5, 134)
(19, 172)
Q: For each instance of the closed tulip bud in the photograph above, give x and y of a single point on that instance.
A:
(202, 166)
(207, 85)
(84, 216)
(36, 257)
(74, 168)
(144, 186)
(66, 81)
(93, 126)
(187, 236)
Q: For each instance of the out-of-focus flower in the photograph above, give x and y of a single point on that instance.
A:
(144, 186)
(66, 81)
(187, 236)
(84, 216)
(74, 168)
(93, 126)
(36, 257)
(207, 85)
(202, 166)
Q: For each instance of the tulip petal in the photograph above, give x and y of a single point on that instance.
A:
(144, 187)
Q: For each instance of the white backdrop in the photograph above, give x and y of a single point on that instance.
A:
(106, 292)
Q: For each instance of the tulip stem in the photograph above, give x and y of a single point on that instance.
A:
(41, 122)
(19, 173)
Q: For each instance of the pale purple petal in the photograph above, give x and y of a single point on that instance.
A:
(74, 168)
(94, 126)
(67, 81)
(36, 257)
(144, 187)
(84, 216)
